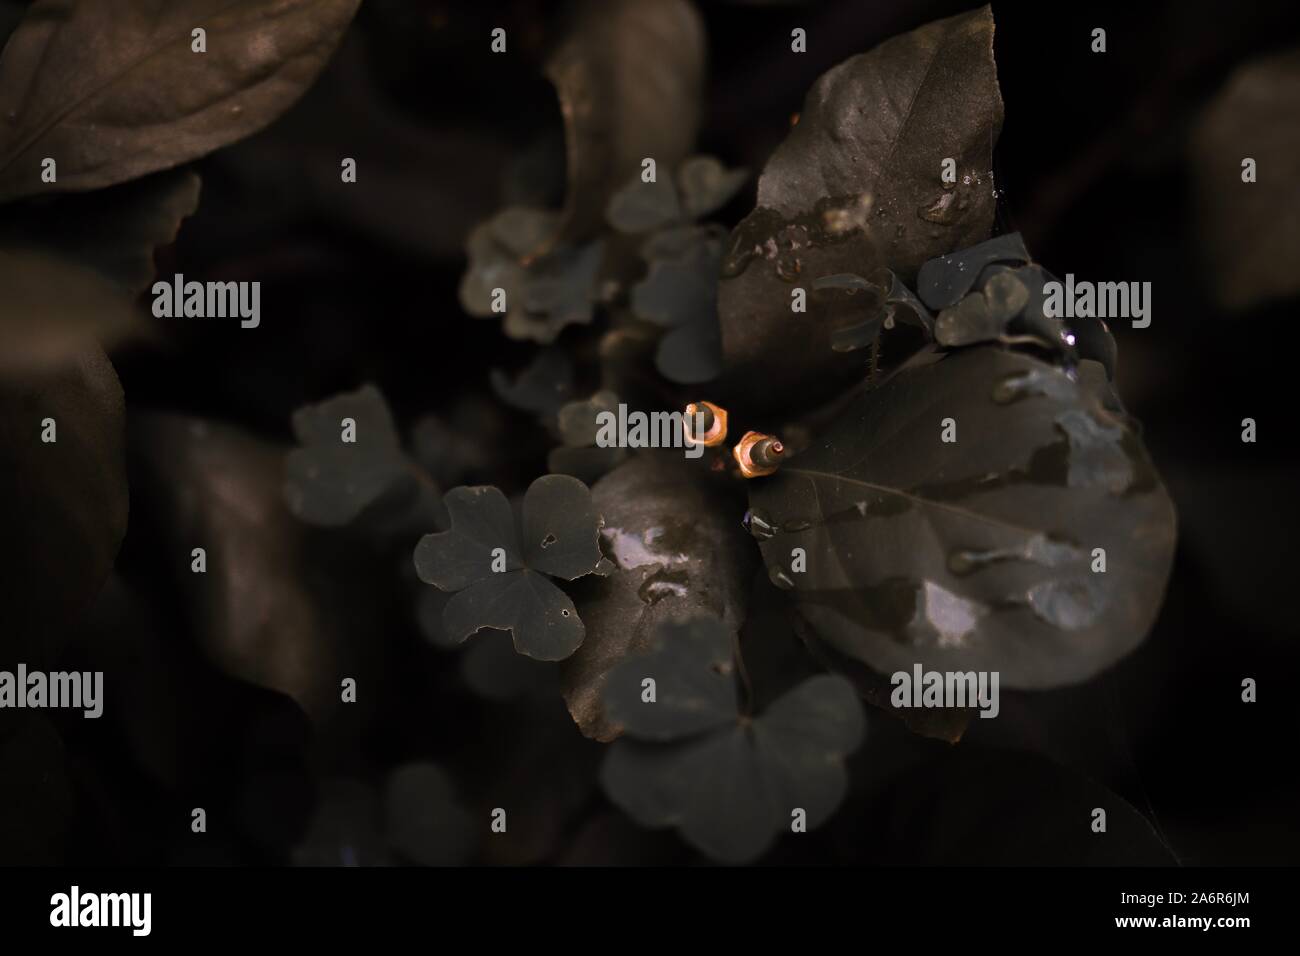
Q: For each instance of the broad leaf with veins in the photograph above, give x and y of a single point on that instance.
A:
(979, 553)
(113, 89)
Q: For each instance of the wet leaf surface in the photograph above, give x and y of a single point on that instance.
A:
(768, 348)
(64, 502)
(729, 783)
(881, 124)
(678, 549)
(944, 280)
(975, 554)
(114, 91)
(557, 537)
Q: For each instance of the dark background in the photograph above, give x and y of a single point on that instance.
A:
(1093, 158)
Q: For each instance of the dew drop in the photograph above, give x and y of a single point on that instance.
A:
(940, 209)
(758, 525)
(780, 578)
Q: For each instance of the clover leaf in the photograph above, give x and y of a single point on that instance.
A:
(500, 568)
(351, 464)
(543, 293)
(994, 292)
(680, 293)
(727, 781)
(541, 387)
(703, 185)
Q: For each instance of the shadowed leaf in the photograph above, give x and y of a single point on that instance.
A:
(729, 783)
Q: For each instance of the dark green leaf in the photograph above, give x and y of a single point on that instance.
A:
(695, 683)
(681, 294)
(332, 482)
(544, 385)
(560, 537)
(975, 554)
(112, 91)
(943, 280)
(729, 783)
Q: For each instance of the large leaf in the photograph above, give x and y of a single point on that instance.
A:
(112, 90)
(975, 554)
(767, 347)
(881, 124)
(63, 504)
(679, 549)
(856, 186)
(629, 77)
